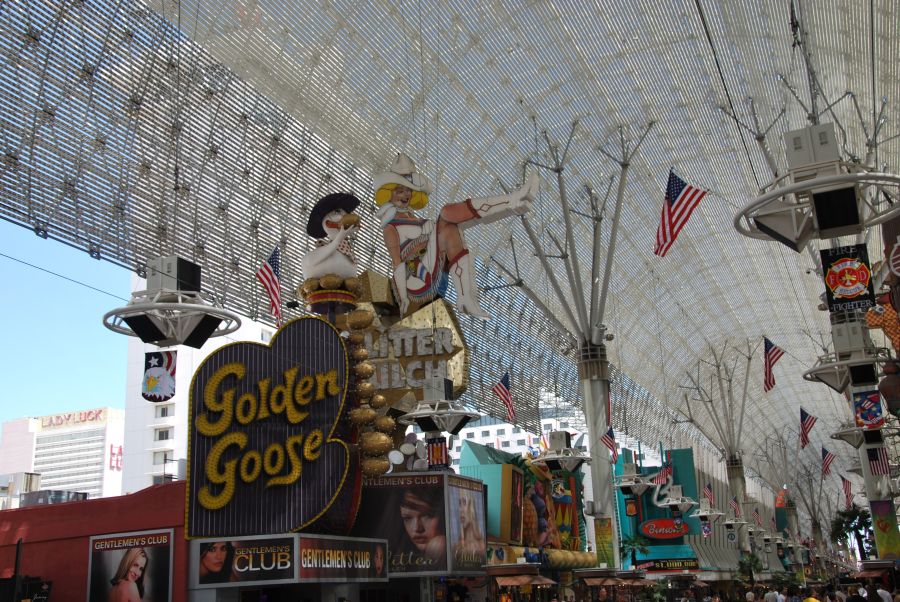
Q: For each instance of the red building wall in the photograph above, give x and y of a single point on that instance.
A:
(56, 538)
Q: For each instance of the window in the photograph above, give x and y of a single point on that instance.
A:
(563, 425)
(165, 411)
(457, 448)
(470, 435)
(548, 427)
(520, 441)
(516, 431)
(161, 457)
(162, 434)
(489, 445)
(162, 479)
(504, 444)
(485, 433)
(265, 335)
(501, 432)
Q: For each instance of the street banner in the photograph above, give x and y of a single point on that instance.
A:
(158, 383)
(848, 278)
(867, 409)
(884, 524)
(603, 537)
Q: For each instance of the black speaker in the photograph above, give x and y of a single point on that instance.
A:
(873, 436)
(427, 424)
(863, 375)
(775, 227)
(144, 328)
(202, 331)
(837, 213)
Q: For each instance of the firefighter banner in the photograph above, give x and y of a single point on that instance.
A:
(848, 279)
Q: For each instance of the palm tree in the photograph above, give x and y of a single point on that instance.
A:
(632, 545)
(853, 521)
(749, 565)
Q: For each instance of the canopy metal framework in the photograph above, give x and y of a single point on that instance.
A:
(207, 129)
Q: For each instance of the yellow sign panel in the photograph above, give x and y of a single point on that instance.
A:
(603, 537)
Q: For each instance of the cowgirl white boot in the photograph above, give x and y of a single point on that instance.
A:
(463, 273)
(491, 208)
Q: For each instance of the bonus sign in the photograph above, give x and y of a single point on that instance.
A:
(268, 448)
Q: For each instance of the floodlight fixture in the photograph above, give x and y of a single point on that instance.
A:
(172, 311)
(733, 523)
(676, 501)
(706, 512)
(441, 415)
(839, 373)
(560, 454)
(850, 434)
(820, 197)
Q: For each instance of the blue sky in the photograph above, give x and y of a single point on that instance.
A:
(56, 354)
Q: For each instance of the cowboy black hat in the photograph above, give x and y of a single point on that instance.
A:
(327, 204)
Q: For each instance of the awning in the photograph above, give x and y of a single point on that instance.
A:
(870, 574)
(638, 582)
(603, 581)
(700, 583)
(520, 580)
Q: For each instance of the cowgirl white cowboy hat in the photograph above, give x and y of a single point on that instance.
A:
(403, 172)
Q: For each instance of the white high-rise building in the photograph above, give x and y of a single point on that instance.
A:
(157, 433)
(72, 451)
(509, 437)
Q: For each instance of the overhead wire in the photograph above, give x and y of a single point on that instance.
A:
(725, 87)
(58, 275)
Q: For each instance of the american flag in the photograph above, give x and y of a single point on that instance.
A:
(772, 353)
(878, 461)
(757, 518)
(827, 459)
(807, 421)
(269, 275)
(501, 390)
(735, 507)
(847, 486)
(609, 440)
(681, 200)
(708, 493)
(663, 475)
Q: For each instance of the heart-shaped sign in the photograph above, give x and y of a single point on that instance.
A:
(268, 443)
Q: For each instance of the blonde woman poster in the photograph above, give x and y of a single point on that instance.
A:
(131, 567)
(467, 532)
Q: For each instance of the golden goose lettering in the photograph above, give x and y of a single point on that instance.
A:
(229, 458)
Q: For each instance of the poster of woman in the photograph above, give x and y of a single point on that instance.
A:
(412, 520)
(263, 559)
(465, 500)
(131, 567)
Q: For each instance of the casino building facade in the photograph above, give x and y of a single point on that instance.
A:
(72, 451)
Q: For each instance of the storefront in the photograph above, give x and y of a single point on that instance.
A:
(102, 539)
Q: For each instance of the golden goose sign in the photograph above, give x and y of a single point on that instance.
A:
(268, 449)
